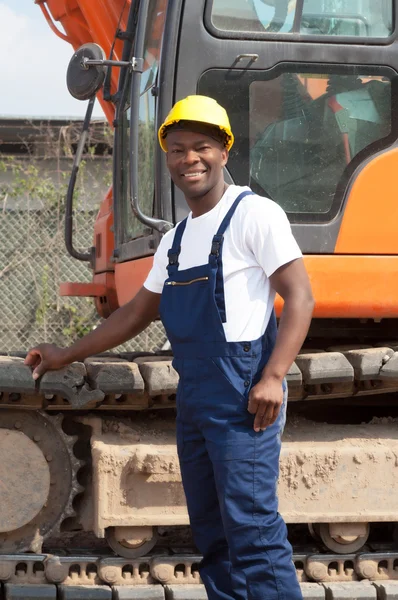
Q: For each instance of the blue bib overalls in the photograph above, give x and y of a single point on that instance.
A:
(229, 471)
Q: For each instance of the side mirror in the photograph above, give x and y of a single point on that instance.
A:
(86, 71)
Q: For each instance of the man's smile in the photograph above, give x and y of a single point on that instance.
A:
(194, 175)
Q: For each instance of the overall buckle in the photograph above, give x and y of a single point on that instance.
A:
(216, 245)
(173, 257)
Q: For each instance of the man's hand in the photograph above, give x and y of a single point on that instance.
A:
(45, 357)
(122, 325)
(265, 401)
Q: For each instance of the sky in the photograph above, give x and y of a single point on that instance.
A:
(33, 64)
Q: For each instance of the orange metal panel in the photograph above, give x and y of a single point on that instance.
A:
(88, 290)
(353, 286)
(59, 8)
(370, 218)
(102, 18)
(344, 286)
(104, 239)
(130, 276)
(102, 289)
(107, 304)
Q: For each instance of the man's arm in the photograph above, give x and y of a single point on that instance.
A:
(124, 324)
(292, 284)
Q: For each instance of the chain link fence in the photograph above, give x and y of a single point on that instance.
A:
(33, 258)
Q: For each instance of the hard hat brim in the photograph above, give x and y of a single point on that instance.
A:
(220, 134)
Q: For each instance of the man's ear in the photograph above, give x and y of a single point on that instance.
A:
(225, 156)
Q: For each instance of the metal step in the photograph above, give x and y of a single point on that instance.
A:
(313, 591)
(185, 592)
(13, 591)
(387, 590)
(84, 592)
(350, 591)
(139, 592)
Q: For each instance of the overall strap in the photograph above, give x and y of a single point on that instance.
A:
(215, 258)
(227, 219)
(175, 249)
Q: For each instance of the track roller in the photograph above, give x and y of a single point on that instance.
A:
(341, 538)
(131, 542)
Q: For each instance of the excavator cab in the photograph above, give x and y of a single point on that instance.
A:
(310, 90)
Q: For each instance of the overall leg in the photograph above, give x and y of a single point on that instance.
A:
(204, 513)
(246, 470)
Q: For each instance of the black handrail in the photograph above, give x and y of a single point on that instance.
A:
(87, 257)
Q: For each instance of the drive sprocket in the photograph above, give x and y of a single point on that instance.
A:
(38, 479)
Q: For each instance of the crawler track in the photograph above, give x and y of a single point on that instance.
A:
(328, 577)
(130, 382)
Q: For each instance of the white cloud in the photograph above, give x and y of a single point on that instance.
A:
(33, 64)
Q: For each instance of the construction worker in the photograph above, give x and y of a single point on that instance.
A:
(213, 281)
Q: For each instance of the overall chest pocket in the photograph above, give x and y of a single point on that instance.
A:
(184, 309)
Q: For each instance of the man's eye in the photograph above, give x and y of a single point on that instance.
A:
(203, 148)
(175, 151)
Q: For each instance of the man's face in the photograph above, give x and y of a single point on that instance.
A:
(195, 162)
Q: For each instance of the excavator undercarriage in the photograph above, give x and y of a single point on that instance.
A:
(91, 488)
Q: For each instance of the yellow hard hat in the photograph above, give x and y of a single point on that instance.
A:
(201, 109)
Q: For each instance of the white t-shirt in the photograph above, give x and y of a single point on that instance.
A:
(257, 242)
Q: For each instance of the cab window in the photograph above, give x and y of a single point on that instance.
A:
(146, 125)
(301, 146)
(300, 135)
(343, 18)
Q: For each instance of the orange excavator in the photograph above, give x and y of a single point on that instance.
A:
(311, 90)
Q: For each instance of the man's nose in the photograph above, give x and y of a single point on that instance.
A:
(191, 157)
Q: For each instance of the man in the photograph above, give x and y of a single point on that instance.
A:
(213, 281)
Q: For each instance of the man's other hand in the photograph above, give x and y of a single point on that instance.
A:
(265, 401)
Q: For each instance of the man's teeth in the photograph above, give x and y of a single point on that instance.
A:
(193, 174)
